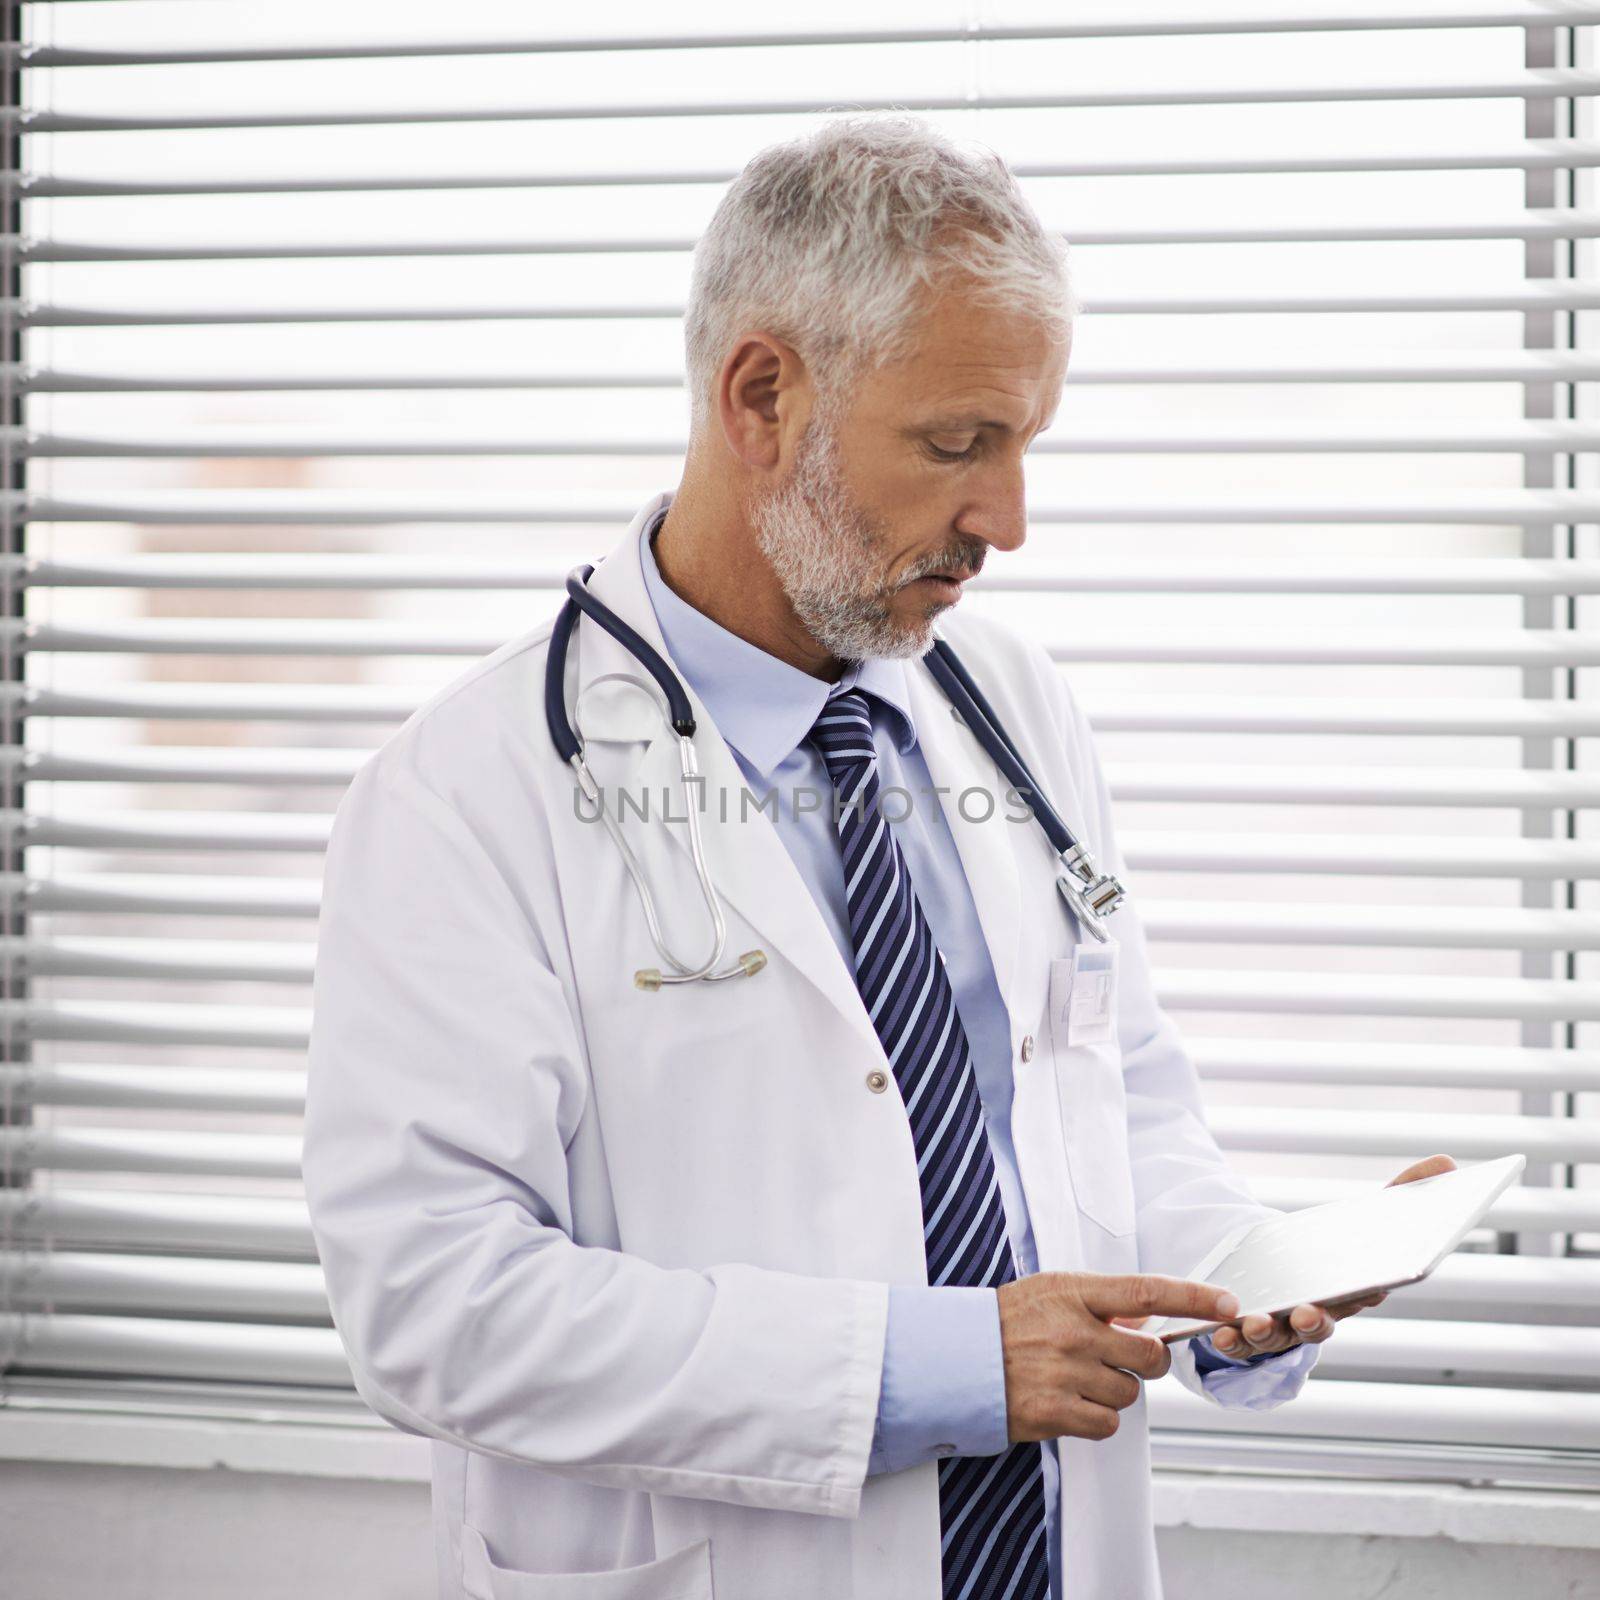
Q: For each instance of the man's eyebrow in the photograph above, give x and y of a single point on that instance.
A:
(967, 419)
(956, 420)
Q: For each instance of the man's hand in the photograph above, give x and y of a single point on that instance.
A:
(1068, 1370)
(1310, 1324)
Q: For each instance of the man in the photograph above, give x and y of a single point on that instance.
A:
(821, 1281)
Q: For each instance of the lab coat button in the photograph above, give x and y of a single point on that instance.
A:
(1027, 1047)
(877, 1081)
(944, 1449)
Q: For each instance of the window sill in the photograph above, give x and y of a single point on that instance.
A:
(1245, 1502)
(337, 1441)
(308, 1441)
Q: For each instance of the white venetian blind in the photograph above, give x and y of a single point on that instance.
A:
(336, 334)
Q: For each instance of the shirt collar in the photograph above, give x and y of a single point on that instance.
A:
(762, 706)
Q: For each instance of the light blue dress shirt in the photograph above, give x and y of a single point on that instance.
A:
(943, 1389)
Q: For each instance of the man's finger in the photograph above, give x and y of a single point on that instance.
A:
(1263, 1334)
(1312, 1323)
(1423, 1169)
(1348, 1308)
(1139, 1353)
(1242, 1347)
(1152, 1294)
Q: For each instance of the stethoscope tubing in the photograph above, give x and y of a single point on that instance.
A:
(981, 718)
(579, 599)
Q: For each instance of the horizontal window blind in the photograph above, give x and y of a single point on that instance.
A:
(336, 334)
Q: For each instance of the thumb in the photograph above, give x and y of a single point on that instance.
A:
(1128, 1322)
(1430, 1167)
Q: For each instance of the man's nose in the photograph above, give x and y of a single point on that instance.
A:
(997, 512)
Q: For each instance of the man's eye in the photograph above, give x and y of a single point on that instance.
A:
(940, 454)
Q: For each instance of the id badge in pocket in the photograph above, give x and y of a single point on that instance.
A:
(1088, 1062)
(1090, 1002)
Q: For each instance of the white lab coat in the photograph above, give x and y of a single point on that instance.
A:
(624, 1256)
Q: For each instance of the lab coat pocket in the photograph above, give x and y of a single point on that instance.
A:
(684, 1575)
(1088, 1063)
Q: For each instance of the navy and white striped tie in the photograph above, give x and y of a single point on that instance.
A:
(991, 1508)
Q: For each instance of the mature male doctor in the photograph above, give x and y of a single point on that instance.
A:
(820, 1281)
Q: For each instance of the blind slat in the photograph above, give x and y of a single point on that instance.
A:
(1528, 226)
(1527, 1288)
(1088, 437)
(1375, 786)
(277, 767)
(210, 1224)
(1533, 85)
(242, 1090)
(1461, 1352)
(270, 767)
(1530, 648)
(167, 1347)
(1128, 21)
(1266, 991)
(174, 1286)
(375, 574)
(1357, 1062)
(158, 1022)
(1318, 923)
(1536, 508)
(1534, 296)
(1196, 713)
(167, 1153)
(1404, 854)
(1379, 995)
(67, 955)
(1472, 1136)
(1352, 1065)
(1529, 155)
(1430, 1350)
(1487, 366)
(1399, 1412)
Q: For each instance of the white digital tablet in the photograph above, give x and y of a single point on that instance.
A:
(1349, 1248)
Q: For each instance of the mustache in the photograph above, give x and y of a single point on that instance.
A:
(964, 559)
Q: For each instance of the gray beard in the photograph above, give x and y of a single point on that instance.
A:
(828, 556)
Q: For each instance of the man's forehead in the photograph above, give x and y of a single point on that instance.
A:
(999, 384)
(993, 369)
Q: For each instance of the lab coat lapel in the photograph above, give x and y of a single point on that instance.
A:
(957, 763)
(748, 862)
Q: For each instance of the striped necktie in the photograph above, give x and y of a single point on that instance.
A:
(991, 1508)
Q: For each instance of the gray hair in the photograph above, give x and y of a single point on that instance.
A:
(827, 240)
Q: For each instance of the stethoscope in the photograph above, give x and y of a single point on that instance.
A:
(1090, 894)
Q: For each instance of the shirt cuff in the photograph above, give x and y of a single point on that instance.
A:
(1260, 1384)
(944, 1382)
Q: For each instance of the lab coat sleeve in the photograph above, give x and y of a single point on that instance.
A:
(1189, 1201)
(445, 1085)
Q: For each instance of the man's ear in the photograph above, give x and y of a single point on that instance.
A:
(762, 399)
